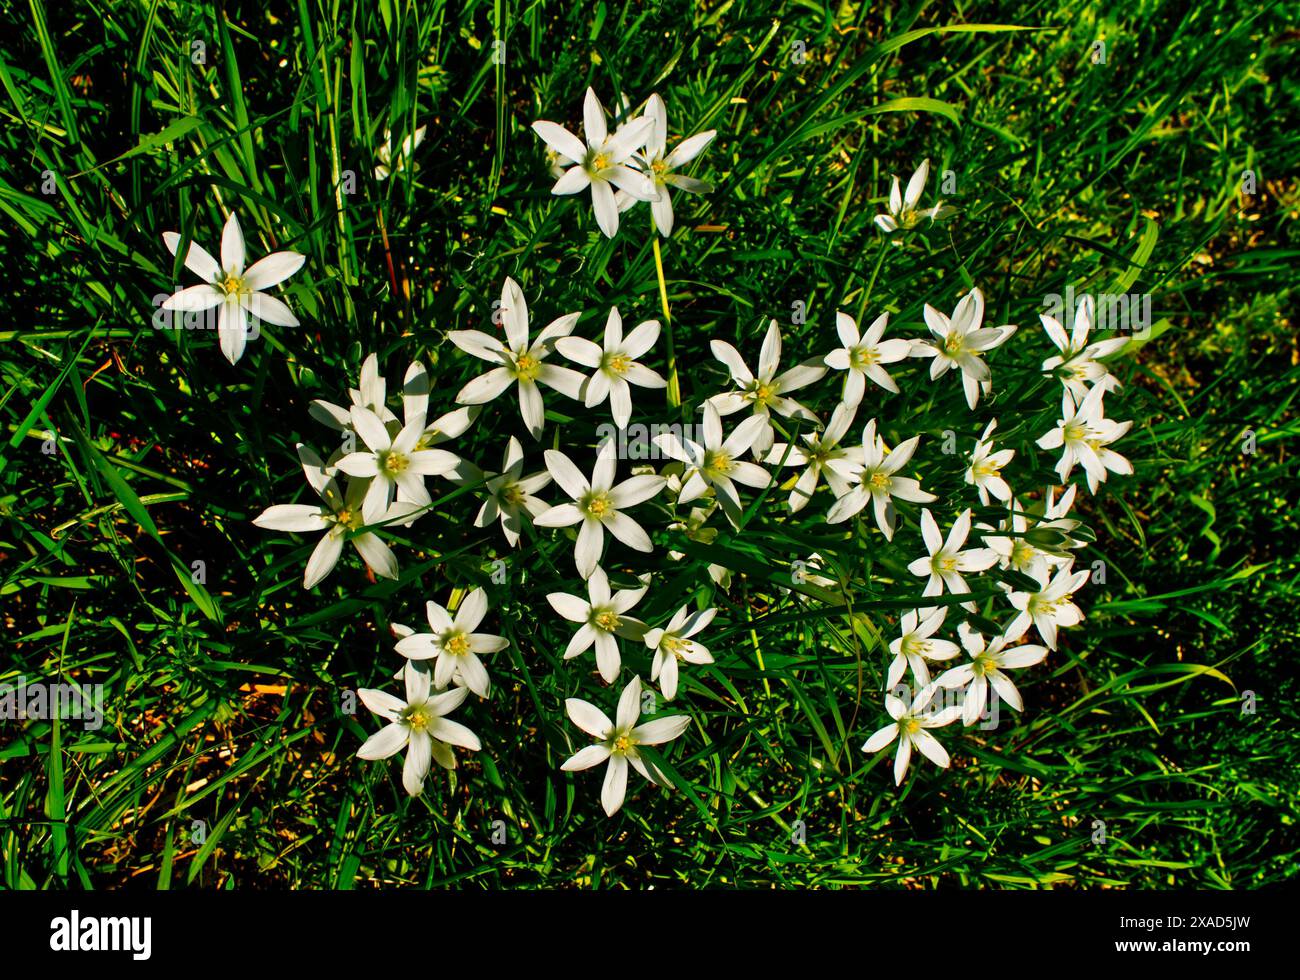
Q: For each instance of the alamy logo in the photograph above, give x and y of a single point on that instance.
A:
(100, 933)
(44, 701)
(1113, 311)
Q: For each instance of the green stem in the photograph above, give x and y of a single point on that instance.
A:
(674, 386)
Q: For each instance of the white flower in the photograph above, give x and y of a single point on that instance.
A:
(603, 616)
(615, 365)
(387, 166)
(767, 392)
(1080, 362)
(946, 559)
(417, 725)
(618, 741)
(1050, 608)
(1013, 548)
(986, 466)
(236, 291)
(986, 667)
(1083, 434)
(519, 360)
(876, 482)
(823, 455)
(598, 505)
(453, 645)
(715, 463)
(914, 646)
(862, 356)
(512, 494)
(393, 463)
(673, 644)
(959, 342)
(340, 517)
(903, 211)
(601, 162)
(910, 727)
(659, 165)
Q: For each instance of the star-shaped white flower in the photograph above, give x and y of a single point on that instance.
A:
(911, 727)
(766, 391)
(987, 666)
(598, 505)
(823, 455)
(340, 517)
(862, 356)
(603, 615)
(387, 166)
(661, 166)
(986, 466)
(960, 342)
(915, 645)
(453, 645)
(618, 741)
(716, 464)
(946, 560)
(417, 725)
(512, 494)
(601, 163)
(876, 481)
(1050, 608)
(673, 645)
(1083, 435)
(237, 292)
(393, 463)
(519, 361)
(903, 210)
(615, 365)
(1078, 364)
(1013, 547)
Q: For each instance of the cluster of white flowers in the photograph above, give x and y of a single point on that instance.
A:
(377, 478)
(629, 165)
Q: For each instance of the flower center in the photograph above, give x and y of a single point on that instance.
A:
(913, 645)
(622, 744)
(944, 563)
(1046, 607)
(984, 664)
(394, 463)
(986, 469)
(607, 620)
(599, 161)
(909, 726)
(861, 357)
(763, 392)
(512, 495)
(233, 284)
(718, 461)
(456, 644)
(346, 518)
(417, 718)
(617, 363)
(598, 505)
(1022, 553)
(527, 367)
(878, 480)
(659, 168)
(953, 344)
(1075, 432)
(676, 645)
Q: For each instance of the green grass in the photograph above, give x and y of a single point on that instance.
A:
(130, 453)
